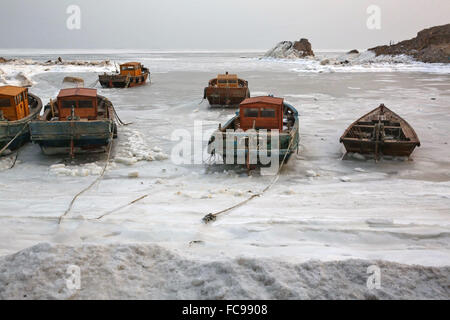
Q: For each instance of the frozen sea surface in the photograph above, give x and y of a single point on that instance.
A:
(322, 208)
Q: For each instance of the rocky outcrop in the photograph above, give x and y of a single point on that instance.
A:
(291, 50)
(430, 45)
(354, 51)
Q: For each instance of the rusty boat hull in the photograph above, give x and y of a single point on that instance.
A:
(121, 81)
(74, 136)
(226, 97)
(380, 132)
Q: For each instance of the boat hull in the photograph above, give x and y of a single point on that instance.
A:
(398, 149)
(380, 132)
(9, 129)
(57, 137)
(240, 155)
(7, 134)
(226, 97)
(287, 144)
(118, 81)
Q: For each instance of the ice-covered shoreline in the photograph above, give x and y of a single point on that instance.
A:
(22, 70)
(365, 61)
(146, 271)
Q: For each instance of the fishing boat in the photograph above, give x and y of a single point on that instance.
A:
(227, 90)
(17, 108)
(380, 132)
(78, 121)
(247, 138)
(131, 74)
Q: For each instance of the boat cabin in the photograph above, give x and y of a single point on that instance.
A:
(82, 100)
(13, 103)
(261, 113)
(133, 69)
(227, 81)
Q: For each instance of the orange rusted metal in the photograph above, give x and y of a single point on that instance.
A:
(261, 113)
(14, 103)
(82, 100)
(131, 74)
(227, 90)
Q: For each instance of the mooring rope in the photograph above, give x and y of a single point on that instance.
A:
(94, 182)
(121, 207)
(210, 217)
(116, 116)
(15, 160)
(12, 140)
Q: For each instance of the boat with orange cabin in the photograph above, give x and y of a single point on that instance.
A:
(252, 130)
(17, 108)
(227, 90)
(78, 121)
(131, 74)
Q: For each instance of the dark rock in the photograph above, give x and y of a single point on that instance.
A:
(304, 46)
(430, 45)
(353, 51)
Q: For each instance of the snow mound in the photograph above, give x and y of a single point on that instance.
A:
(152, 272)
(19, 72)
(134, 148)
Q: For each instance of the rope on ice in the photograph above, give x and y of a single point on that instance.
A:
(93, 183)
(210, 217)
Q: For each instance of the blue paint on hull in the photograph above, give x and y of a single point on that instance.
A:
(86, 135)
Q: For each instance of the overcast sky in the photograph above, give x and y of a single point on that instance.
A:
(213, 24)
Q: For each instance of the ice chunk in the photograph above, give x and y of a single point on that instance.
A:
(311, 173)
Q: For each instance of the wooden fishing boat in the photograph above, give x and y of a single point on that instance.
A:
(131, 74)
(78, 121)
(227, 90)
(380, 132)
(249, 134)
(17, 108)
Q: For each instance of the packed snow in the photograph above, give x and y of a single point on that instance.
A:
(153, 272)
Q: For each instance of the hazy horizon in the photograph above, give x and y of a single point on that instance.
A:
(206, 25)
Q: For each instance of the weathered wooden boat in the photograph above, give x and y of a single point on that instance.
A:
(247, 137)
(78, 121)
(17, 108)
(227, 90)
(131, 74)
(380, 132)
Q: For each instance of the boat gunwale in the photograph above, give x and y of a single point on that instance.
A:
(415, 140)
